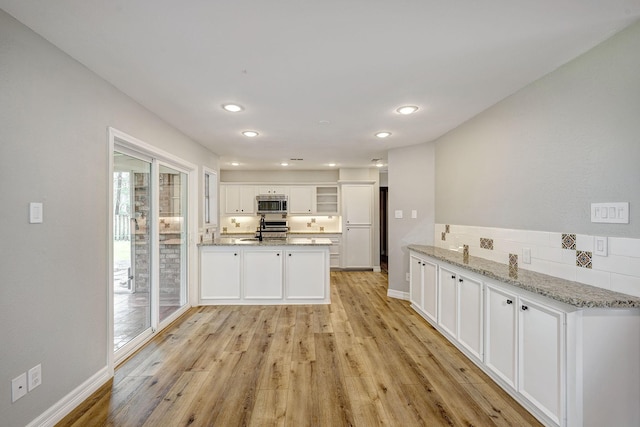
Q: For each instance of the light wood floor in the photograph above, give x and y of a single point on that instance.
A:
(364, 360)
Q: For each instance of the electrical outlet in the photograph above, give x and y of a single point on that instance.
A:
(18, 387)
(34, 377)
(406, 277)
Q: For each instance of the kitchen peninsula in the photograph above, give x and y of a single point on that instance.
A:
(273, 271)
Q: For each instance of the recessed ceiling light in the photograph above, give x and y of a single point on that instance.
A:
(250, 133)
(284, 164)
(235, 164)
(332, 165)
(383, 134)
(233, 108)
(407, 109)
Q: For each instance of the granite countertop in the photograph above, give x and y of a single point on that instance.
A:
(247, 241)
(566, 291)
(252, 233)
(315, 232)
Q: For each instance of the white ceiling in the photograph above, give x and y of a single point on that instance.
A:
(297, 64)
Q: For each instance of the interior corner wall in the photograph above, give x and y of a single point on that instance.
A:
(539, 158)
(411, 184)
(54, 115)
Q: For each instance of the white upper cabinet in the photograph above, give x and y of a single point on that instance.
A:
(302, 199)
(239, 199)
(271, 189)
(357, 204)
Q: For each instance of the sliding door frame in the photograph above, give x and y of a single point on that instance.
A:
(134, 146)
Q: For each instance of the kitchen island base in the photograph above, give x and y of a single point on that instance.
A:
(295, 271)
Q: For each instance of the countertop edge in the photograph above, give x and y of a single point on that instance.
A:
(228, 241)
(562, 290)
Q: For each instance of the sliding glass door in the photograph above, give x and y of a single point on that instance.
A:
(131, 248)
(172, 238)
(150, 245)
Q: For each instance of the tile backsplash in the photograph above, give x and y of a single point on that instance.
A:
(566, 255)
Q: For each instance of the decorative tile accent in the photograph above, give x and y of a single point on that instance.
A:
(447, 228)
(308, 224)
(444, 236)
(233, 220)
(569, 241)
(583, 259)
(321, 228)
(513, 260)
(465, 253)
(486, 243)
(224, 229)
(237, 225)
(513, 266)
(313, 220)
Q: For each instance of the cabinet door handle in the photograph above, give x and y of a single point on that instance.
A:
(524, 308)
(289, 254)
(424, 263)
(235, 254)
(453, 277)
(460, 280)
(277, 254)
(509, 301)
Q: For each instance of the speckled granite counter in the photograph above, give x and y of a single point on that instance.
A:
(248, 241)
(314, 232)
(566, 291)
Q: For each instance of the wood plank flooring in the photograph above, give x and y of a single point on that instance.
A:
(364, 360)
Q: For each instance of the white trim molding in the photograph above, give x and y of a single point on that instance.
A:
(68, 403)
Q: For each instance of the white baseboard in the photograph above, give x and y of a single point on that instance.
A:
(376, 269)
(391, 293)
(64, 406)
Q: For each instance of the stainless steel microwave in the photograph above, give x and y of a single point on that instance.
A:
(272, 204)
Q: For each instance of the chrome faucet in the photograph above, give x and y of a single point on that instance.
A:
(261, 228)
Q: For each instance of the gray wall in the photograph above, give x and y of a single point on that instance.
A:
(54, 115)
(411, 179)
(539, 158)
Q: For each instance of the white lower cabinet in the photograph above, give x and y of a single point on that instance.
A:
(220, 274)
(460, 309)
(357, 247)
(305, 274)
(470, 315)
(282, 274)
(501, 334)
(540, 356)
(262, 273)
(524, 348)
(423, 286)
(447, 298)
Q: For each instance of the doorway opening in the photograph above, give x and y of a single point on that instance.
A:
(384, 238)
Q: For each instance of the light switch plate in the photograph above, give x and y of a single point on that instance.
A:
(35, 213)
(414, 214)
(615, 213)
(526, 255)
(398, 214)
